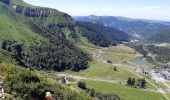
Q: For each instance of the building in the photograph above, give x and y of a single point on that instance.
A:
(165, 74)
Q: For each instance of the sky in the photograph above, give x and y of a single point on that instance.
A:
(141, 9)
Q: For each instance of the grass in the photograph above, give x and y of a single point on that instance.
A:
(22, 84)
(120, 49)
(119, 57)
(98, 69)
(15, 30)
(119, 54)
(6, 57)
(125, 92)
(168, 94)
(103, 71)
(123, 54)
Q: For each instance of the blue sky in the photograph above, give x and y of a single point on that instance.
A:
(145, 9)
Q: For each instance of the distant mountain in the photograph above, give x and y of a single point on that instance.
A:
(137, 27)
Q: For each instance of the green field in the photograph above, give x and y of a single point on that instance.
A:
(126, 93)
(100, 70)
(104, 71)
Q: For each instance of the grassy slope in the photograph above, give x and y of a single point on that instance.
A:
(119, 54)
(6, 57)
(123, 54)
(10, 22)
(8, 71)
(104, 71)
(101, 70)
(125, 92)
(17, 31)
(12, 28)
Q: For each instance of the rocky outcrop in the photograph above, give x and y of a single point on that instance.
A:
(32, 12)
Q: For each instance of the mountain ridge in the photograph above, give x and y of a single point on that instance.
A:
(25, 33)
(145, 29)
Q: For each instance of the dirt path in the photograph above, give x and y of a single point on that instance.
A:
(87, 78)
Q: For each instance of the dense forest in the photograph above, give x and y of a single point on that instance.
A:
(159, 54)
(57, 54)
(142, 50)
(93, 36)
(161, 36)
(44, 45)
(112, 35)
(162, 53)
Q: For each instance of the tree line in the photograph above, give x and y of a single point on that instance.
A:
(140, 83)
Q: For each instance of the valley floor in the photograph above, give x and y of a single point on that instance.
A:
(101, 75)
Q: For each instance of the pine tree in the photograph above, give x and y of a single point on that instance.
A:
(143, 83)
(133, 82)
(129, 81)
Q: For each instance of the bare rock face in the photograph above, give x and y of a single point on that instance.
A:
(32, 12)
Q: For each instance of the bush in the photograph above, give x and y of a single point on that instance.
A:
(82, 85)
(102, 96)
(24, 84)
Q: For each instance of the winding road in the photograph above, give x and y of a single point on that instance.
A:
(160, 90)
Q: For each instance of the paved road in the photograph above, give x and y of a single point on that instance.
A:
(160, 90)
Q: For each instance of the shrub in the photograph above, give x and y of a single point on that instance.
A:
(82, 85)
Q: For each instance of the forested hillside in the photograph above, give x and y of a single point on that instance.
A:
(43, 38)
(37, 39)
(112, 35)
(161, 37)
